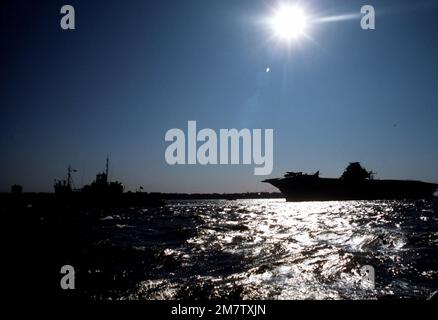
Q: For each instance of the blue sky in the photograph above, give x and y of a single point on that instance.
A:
(134, 69)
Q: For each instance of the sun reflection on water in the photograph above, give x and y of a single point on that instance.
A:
(272, 249)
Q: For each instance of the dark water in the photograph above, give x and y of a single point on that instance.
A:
(264, 249)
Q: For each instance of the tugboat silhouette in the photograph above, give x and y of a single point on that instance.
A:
(356, 183)
(101, 193)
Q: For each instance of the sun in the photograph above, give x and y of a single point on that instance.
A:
(289, 22)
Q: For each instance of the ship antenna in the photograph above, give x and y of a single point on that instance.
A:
(106, 168)
(69, 176)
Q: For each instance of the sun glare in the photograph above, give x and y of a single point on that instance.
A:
(289, 22)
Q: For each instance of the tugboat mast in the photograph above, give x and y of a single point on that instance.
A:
(70, 183)
(69, 171)
(106, 168)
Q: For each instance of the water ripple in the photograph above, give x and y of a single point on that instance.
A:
(271, 249)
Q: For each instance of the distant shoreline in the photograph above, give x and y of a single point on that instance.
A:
(219, 196)
(182, 196)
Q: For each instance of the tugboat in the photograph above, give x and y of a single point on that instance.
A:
(101, 193)
(356, 183)
(102, 186)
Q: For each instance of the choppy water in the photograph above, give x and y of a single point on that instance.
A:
(266, 249)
